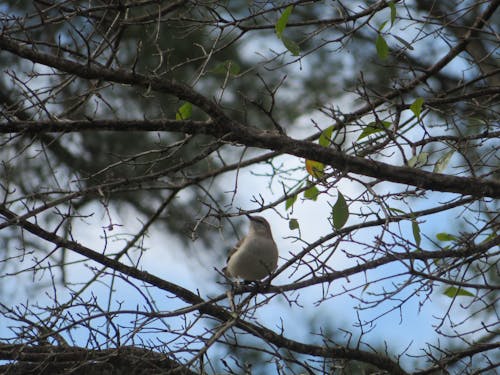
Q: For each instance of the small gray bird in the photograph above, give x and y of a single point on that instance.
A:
(255, 256)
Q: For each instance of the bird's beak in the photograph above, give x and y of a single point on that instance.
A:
(249, 217)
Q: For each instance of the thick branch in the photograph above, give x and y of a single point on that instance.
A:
(252, 137)
(50, 359)
(471, 250)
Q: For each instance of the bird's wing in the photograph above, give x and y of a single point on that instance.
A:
(233, 250)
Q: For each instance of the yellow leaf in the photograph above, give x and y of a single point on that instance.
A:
(315, 168)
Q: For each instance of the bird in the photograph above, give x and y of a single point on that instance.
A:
(255, 256)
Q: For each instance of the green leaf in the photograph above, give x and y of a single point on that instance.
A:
(340, 212)
(325, 139)
(445, 237)
(416, 232)
(422, 158)
(184, 112)
(228, 66)
(311, 193)
(393, 12)
(397, 210)
(293, 224)
(282, 21)
(403, 42)
(413, 161)
(380, 28)
(418, 160)
(416, 106)
(382, 47)
(443, 162)
(315, 168)
(374, 127)
(453, 291)
(489, 237)
(291, 46)
(290, 201)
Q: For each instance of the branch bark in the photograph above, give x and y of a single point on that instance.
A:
(51, 359)
(253, 137)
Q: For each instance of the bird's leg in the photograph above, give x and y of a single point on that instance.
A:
(255, 284)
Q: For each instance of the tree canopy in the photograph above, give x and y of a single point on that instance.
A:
(367, 132)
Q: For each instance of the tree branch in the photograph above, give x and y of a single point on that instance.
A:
(253, 137)
(51, 359)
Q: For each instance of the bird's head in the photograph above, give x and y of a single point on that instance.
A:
(259, 225)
